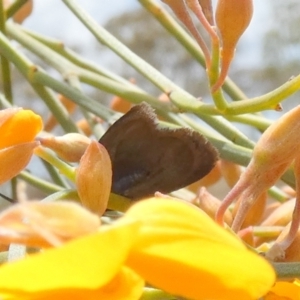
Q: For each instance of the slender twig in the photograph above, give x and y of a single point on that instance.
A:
(5, 68)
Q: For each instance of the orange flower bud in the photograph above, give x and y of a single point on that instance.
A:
(210, 204)
(94, 178)
(45, 224)
(270, 208)
(84, 126)
(70, 107)
(281, 216)
(70, 147)
(230, 171)
(247, 236)
(23, 12)
(232, 19)
(121, 105)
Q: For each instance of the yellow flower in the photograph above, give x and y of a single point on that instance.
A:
(284, 291)
(182, 251)
(18, 129)
(170, 244)
(86, 268)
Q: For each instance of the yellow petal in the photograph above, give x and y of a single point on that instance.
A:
(21, 127)
(14, 159)
(7, 113)
(126, 285)
(84, 264)
(182, 251)
(284, 291)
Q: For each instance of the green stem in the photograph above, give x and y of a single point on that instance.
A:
(173, 27)
(155, 294)
(104, 37)
(218, 123)
(168, 22)
(213, 75)
(5, 68)
(4, 103)
(287, 271)
(119, 203)
(277, 194)
(56, 107)
(78, 97)
(68, 69)
(68, 195)
(267, 231)
(228, 130)
(255, 121)
(55, 176)
(49, 156)
(14, 7)
(268, 101)
(73, 57)
(27, 69)
(57, 61)
(132, 93)
(39, 183)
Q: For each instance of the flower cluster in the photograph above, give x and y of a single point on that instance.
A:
(170, 244)
(225, 27)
